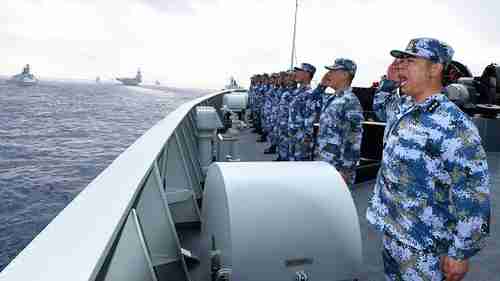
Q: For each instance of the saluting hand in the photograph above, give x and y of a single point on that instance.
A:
(393, 71)
(454, 270)
(392, 80)
(324, 80)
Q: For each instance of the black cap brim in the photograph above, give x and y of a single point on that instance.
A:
(333, 67)
(403, 54)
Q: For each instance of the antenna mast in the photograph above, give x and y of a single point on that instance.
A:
(294, 35)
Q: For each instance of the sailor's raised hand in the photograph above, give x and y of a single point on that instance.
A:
(391, 81)
(325, 80)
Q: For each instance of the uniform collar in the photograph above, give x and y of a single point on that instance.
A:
(429, 103)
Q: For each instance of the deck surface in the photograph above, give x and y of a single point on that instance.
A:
(484, 267)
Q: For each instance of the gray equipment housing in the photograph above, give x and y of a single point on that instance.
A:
(236, 102)
(279, 221)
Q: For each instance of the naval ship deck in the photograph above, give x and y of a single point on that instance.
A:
(151, 227)
(483, 267)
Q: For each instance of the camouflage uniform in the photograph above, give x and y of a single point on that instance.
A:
(274, 115)
(261, 95)
(283, 115)
(255, 105)
(398, 103)
(404, 263)
(268, 109)
(300, 138)
(431, 196)
(340, 132)
(297, 125)
(387, 89)
(251, 97)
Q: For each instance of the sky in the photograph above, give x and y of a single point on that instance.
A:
(201, 43)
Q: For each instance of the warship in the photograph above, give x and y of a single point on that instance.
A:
(132, 81)
(25, 78)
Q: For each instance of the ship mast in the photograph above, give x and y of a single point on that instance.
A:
(294, 35)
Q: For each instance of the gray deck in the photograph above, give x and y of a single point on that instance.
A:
(484, 267)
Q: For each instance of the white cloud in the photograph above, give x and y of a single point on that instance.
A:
(203, 42)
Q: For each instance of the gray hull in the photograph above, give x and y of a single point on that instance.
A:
(129, 81)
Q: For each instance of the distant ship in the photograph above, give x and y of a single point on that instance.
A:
(24, 78)
(233, 84)
(157, 82)
(132, 81)
(98, 79)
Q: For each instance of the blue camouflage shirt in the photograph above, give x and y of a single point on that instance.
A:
(284, 110)
(275, 105)
(432, 189)
(297, 122)
(340, 132)
(260, 97)
(267, 109)
(283, 113)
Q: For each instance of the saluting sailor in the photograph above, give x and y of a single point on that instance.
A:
(268, 106)
(431, 200)
(261, 94)
(300, 143)
(340, 117)
(283, 114)
(282, 89)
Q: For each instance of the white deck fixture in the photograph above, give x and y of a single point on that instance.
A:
(236, 102)
(207, 121)
(276, 220)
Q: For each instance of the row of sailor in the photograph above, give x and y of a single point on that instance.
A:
(286, 110)
(431, 199)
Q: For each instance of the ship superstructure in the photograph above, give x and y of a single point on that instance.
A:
(25, 78)
(132, 81)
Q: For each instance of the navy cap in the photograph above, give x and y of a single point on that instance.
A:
(307, 68)
(427, 48)
(344, 64)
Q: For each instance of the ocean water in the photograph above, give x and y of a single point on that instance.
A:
(56, 137)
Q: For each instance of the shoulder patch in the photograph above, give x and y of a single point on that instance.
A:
(432, 107)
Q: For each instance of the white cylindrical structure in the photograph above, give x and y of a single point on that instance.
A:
(279, 220)
(207, 122)
(236, 102)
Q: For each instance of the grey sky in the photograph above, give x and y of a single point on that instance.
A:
(203, 42)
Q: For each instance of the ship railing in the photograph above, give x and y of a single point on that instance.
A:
(122, 226)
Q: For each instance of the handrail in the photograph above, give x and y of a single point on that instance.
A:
(77, 242)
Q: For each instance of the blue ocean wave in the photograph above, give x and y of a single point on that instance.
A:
(56, 137)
